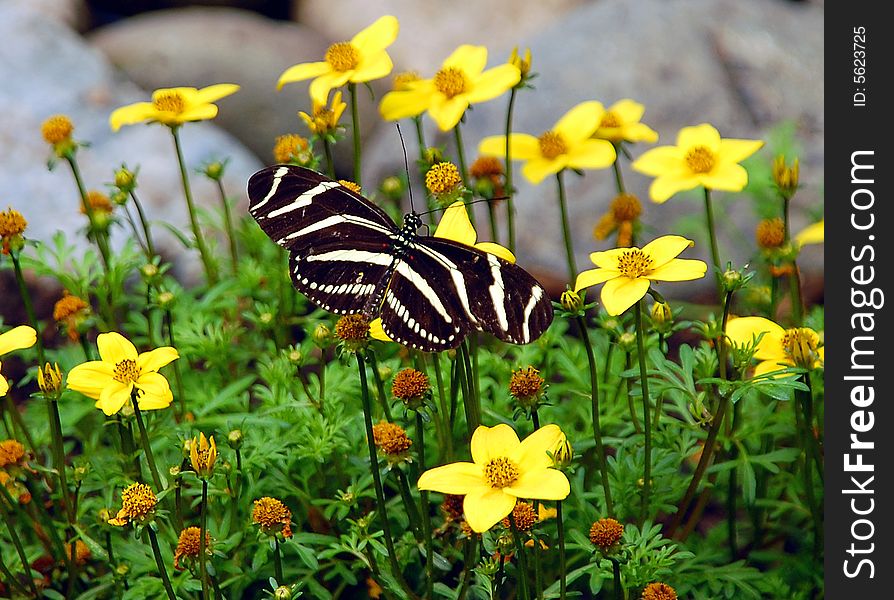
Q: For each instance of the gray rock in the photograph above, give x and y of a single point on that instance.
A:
(743, 66)
(203, 45)
(51, 70)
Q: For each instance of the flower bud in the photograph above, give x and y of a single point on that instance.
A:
(322, 335)
(49, 379)
(571, 301)
(235, 438)
(125, 180)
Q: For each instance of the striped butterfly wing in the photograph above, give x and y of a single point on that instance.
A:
(339, 243)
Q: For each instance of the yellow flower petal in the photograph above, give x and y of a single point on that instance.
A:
(91, 378)
(580, 122)
(302, 72)
(215, 92)
(607, 259)
(114, 347)
(665, 186)
(639, 132)
(156, 359)
(621, 293)
(699, 135)
(485, 507)
(469, 59)
(627, 110)
(734, 150)
(538, 168)
(4, 385)
(456, 478)
(155, 392)
(400, 105)
(728, 177)
(496, 250)
(113, 397)
(17, 338)
(131, 114)
(376, 331)
(679, 269)
(493, 442)
(493, 83)
(592, 154)
(447, 112)
(593, 277)
(202, 112)
(542, 484)
(375, 66)
(455, 225)
(321, 86)
(812, 234)
(743, 330)
(660, 161)
(522, 146)
(532, 453)
(377, 36)
(664, 249)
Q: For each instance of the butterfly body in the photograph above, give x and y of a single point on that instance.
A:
(347, 256)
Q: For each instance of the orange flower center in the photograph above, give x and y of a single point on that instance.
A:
(634, 263)
(450, 81)
(501, 472)
(700, 159)
(342, 56)
(552, 145)
(800, 344)
(126, 371)
(443, 178)
(169, 102)
(610, 120)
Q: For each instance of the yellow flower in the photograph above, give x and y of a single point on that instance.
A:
(503, 470)
(11, 452)
(202, 455)
(189, 545)
(173, 106)
(629, 272)
(778, 348)
(272, 516)
(16, 338)
(700, 158)
(455, 225)
(812, 234)
(324, 117)
(12, 226)
(621, 123)
(138, 503)
(357, 61)
(461, 81)
(567, 145)
(659, 591)
(122, 370)
(56, 129)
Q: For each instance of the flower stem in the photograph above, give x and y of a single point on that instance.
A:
(522, 570)
(355, 131)
(619, 177)
(102, 242)
(203, 527)
(178, 377)
(461, 160)
(330, 162)
(207, 261)
(510, 208)
(560, 524)
(444, 416)
(20, 550)
(566, 227)
(12, 579)
(594, 403)
(277, 562)
(647, 425)
(29, 307)
(712, 235)
(426, 514)
(144, 223)
(228, 224)
(616, 576)
(803, 421)
(470, 402)
(380, 386)
(160, 563)
(144, 437)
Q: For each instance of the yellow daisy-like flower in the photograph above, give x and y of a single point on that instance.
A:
(503, 470)
(460, 82)
(203, 455)
(122, 370)
(779, 347)
(621, 123)
(568, 145)
(360, 60)
(138, 503)
(700, 158)
(629, 272)
(812, 234)
(173, 106)
(324, 117)
(16, 338)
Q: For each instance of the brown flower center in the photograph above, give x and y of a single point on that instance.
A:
(12, 223)
(525, 383)
(169, 102)
(700, 159)
(659, 591)
(126, 371)
(610, 120)
(626, 207)
(552, 145)
(501, 472)
(342, 56)
(605, 533)
(410, 384)
(800, 344)
(634, 263)
(352, 328)
(391, 438)
(450, 81)
(524, 515)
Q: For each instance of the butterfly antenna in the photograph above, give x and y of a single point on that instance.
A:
(406, 167)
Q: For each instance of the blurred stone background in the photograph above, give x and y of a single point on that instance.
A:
(746, 67)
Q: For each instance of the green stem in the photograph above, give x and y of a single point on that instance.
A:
(144, 223)
(203, 527)
(160, 563)
(147, 447)
(712, 235)
(228, 224)
(803, 422)
(207, 261)
(12, 579)
(492, 217)
(619, 177)
(277, 562)
(178, 376)
(616, 576)
(20, 550)
(136, 233)
(560, 524)
(523, 593)
(647, 425)
(470, 402)
(355, 131)
(594, 405)
(380, 386)
(426, 514)
(99, 236)
(566, 227)
(29, 307)
(330, 162)
(412, 511)
(630, 405)
(461, 160)
(510, 208)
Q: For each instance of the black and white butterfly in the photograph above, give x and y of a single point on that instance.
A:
(347, 256)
